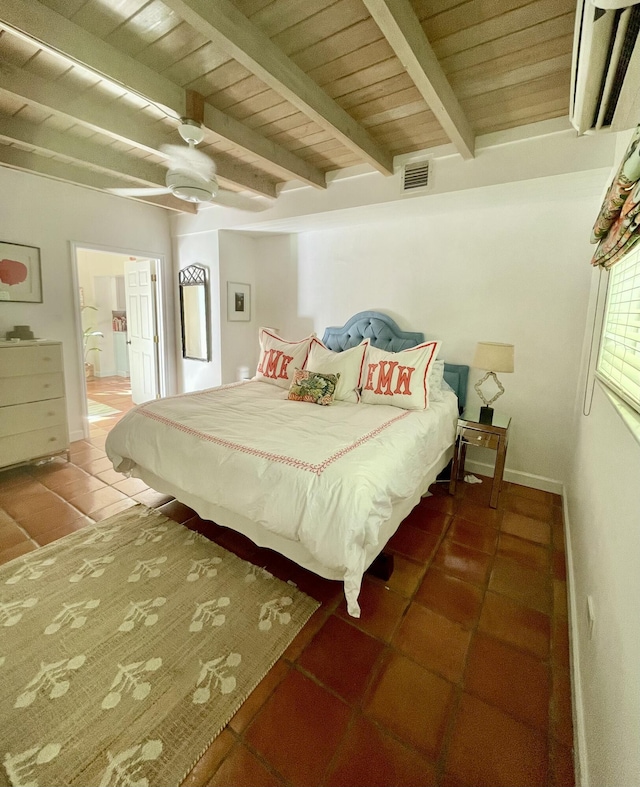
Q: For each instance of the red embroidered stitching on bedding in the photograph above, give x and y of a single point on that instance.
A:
(323, 466)
(318, 469)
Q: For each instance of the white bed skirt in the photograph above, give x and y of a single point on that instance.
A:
(294, 550)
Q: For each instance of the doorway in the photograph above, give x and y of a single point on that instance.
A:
(118, 334)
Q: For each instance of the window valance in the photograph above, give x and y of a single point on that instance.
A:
(617, 228)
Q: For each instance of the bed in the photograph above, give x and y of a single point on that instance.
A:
(324, 486)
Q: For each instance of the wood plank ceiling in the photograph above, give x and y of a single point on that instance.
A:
(91, 89)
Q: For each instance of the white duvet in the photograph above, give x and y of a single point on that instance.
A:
(327, 477)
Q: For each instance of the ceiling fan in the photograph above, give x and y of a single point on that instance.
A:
(191, 174)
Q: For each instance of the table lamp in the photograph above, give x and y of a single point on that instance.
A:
(493, 357)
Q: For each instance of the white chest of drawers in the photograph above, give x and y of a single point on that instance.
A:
(33, 410)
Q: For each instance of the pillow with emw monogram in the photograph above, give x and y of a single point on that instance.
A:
(399, 379)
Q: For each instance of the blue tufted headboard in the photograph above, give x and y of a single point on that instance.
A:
(386, 335)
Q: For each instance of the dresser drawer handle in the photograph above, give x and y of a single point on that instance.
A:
(51, 413)
(46, 358)
(479, 437)
(53, 439)
(47, 385)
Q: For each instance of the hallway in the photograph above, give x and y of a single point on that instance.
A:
(108, 399)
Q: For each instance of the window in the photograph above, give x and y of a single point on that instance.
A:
(619, 358)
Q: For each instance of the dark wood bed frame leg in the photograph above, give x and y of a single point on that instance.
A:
(382, 566)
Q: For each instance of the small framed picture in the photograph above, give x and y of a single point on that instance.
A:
(238, 301)
(20, 275)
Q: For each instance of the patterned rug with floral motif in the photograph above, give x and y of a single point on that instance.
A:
(126, 647)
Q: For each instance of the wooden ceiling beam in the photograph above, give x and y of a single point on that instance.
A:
(226, 27)
(107, 119)
(402, 29)
(194, 106)
(69, 173)
(81, 151)
(45, 27)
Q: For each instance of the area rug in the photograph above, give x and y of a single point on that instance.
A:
(98, 410)
(126, 647)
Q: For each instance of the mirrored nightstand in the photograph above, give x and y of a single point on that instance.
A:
(471, 432)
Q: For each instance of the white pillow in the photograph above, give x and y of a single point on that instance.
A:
(348, 364)
(279, 358)
(435, 381)
(446, 387)
(399, 379)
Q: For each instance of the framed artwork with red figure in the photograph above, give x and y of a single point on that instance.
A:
(20, 274)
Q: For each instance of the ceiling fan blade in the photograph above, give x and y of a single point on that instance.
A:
(231, 199)
(141, 192)
(190, 159)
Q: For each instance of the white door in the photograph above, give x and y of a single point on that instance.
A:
(142, 339)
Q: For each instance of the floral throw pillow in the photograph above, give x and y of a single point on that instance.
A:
(308, 386)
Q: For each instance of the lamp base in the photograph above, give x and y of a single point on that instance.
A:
(486, 415)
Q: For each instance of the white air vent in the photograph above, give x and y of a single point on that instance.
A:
(606, 66)
(415, 176)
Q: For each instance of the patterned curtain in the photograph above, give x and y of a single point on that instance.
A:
(617, 227)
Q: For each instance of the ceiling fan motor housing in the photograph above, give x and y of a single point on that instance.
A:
(186, 186)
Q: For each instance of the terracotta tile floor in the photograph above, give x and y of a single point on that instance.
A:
(456, 674)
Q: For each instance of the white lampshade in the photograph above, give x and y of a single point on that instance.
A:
(493, 357)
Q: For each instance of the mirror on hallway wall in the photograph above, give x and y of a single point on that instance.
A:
(195, 315)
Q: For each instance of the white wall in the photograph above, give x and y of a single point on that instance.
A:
(203, 250)
(277, 275)
(239, 337)
(603, 499)
(230, 257)
(49, 214)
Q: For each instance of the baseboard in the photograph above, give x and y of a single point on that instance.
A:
(517, 477)
(75, 436)
(579, 738)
